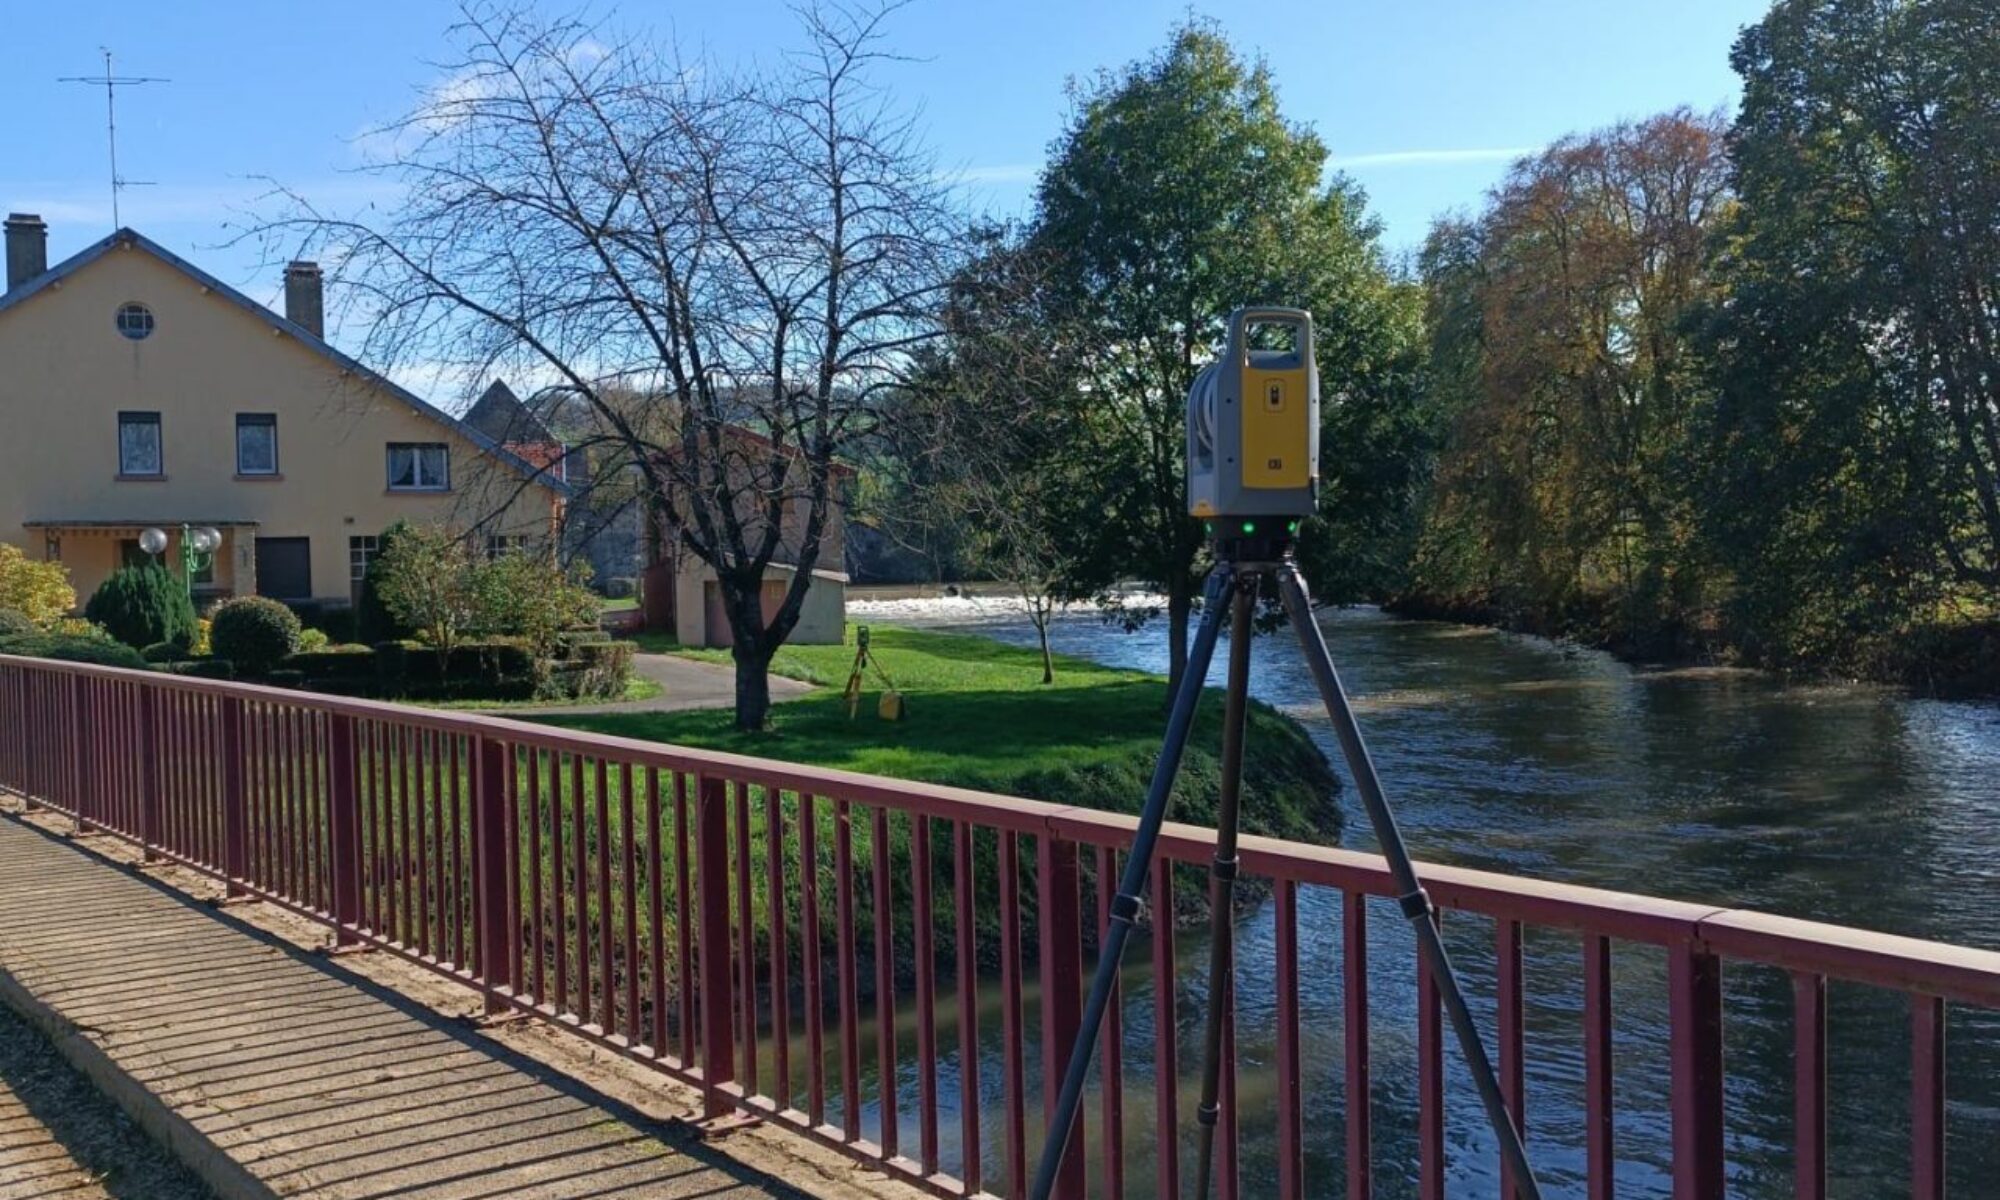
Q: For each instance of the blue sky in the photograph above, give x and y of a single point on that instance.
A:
(1422, 101)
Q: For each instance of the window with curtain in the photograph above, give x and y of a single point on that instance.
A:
(256, 444)
(139, 444)
(419, 467)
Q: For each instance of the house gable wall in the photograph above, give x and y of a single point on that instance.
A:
(66, 372)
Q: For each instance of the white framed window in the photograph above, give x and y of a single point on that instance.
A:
(256, 443)
(419, 467)
(135, 321)
(361, 552)
(498, 544)
(139, 444)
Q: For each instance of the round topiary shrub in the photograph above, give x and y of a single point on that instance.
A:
(254, 632)
(15, 624)
(143, 605)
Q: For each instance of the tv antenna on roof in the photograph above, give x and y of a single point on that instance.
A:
(112, 82)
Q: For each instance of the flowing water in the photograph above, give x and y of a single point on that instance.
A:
(1853, 805)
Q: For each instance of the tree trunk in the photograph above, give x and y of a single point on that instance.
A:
(1180, 603)
(1048, 659)
(753, 689)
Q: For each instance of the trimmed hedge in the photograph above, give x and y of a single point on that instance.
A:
(202, 668)
(166, 652)
(254, 632)
(68, 648)
(495, 669)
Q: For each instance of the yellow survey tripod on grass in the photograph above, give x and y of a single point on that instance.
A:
(890, 708)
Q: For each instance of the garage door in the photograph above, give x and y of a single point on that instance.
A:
(284, 568)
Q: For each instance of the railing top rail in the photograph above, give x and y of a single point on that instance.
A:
(1911, 964)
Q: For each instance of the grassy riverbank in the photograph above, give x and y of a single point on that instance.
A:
(980, 717)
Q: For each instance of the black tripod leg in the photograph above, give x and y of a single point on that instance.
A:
(1222, 877)
(1131, 884)
(1411, 895)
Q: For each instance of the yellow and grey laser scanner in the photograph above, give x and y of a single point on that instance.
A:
(1253, 425)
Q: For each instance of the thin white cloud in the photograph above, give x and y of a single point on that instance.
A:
(1431, 158)
(998, 173)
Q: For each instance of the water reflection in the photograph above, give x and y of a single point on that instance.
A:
(1852, 805)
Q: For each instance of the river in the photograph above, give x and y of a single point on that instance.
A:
(1854, 805)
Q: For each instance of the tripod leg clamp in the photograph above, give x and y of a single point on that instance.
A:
(1208, 1114)
(1416, 905)
(1223, 868)
(1125, 909)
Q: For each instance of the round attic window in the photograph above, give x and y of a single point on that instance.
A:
(135, 321)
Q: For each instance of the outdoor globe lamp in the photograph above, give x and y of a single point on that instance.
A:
(205, 540)
(153, 541)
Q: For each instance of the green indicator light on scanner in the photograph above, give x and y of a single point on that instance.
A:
(1249, 526)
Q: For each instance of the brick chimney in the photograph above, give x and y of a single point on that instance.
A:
(305, 296)
(27, 248)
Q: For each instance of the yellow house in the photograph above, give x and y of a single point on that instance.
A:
(137, 391)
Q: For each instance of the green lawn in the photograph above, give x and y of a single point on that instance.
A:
(979, 716)
(624, 604)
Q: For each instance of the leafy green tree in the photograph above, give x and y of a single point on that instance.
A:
(1857, 430)
(1561, 348)
(429, 582)
(1178, 193)
(530, 597)
(142, 605)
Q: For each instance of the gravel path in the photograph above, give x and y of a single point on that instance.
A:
(62, 1140)
(684, 682)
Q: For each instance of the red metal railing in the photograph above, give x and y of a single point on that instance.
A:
(737, 924)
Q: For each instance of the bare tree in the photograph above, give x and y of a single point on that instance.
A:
(727, 267)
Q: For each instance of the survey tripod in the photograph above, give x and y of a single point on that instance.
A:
(1244, 563)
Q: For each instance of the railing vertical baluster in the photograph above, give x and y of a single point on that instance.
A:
(440, 910)
(1291, 1126)
(627, 801)
(718, 1047)
(683, 921)
(74, 701)
(1012, 1070)
(1599, 1157)
(151, 803)
(966, 955)
(235, 814)
(539, 761)
(886, 1073)
(746, 940)
(1511, 1019)
(850, 984)
(1809, 1085)
(489, 881)
(1228, 1140)
(1358, 1081)
(511, 834)
(579, 817)
(568, 803)
(656, 905)
(607, 910)
(454, 852)
(811, 953)
(1927, 1175)
(1062, 992)
(407, 855)
(922, 917)
(1430, 1084)
(1694, 982)
(777, 906)
(344, 828)
(1166, 1052)
(1111, 1096)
